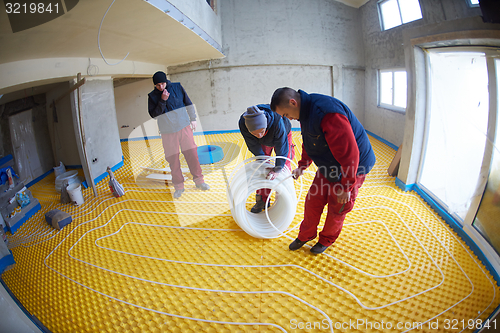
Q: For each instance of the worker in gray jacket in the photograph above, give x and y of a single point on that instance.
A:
(170, 105)
(265, 131)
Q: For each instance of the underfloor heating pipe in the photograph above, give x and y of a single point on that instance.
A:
(249, 176)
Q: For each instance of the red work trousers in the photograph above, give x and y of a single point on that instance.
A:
(320, 193)
(185, 140)
(264, 192)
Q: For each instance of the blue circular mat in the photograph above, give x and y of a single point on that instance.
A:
(210, 154)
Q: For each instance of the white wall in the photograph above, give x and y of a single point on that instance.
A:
(268, 45)
(131, 102)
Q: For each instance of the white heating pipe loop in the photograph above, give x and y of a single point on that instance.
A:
(250, 176)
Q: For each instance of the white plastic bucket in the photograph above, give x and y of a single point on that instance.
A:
(70, 176)
(75, 193)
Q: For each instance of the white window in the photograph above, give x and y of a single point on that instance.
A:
(392, 89)
(397, 12)
(473, 3)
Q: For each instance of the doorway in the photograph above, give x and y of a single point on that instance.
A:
(460, 166)
(24, 146)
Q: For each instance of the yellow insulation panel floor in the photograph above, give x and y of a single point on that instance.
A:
(145, 262)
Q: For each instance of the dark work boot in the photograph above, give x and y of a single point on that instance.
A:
(259, 204)
(296, 244)
(318, 248)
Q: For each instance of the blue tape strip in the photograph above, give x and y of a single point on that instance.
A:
(404, 187)
(104, 175)
(5, 159)
(33, 319)
(491, 322)
(457, 227)
(454, 224)
(215, 132)
(141, 138)
(390, 144)
(6, 261)
(34, 181)
(195, 134)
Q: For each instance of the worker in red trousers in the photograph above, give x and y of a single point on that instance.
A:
(170, 105)
(337, 143)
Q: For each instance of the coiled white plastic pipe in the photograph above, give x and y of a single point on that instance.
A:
(249, 176)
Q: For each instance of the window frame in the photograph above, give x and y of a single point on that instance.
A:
(472, 5)
(391, 107)
(381, 16)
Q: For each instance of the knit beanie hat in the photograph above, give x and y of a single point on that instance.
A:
(159, 77)
(255, 118)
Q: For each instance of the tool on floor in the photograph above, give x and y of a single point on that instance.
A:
(116, 188)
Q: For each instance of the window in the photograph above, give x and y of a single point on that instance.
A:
(392, 89)
(473, 3)
(397, 12)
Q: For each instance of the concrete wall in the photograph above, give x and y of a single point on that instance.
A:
(131, 102)
(62, 132)
(270, 44)
(202, 14)
(385, 50)
(98, 114)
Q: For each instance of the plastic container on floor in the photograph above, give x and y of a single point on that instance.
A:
(59, 170)
(75, 193)
(71, 176)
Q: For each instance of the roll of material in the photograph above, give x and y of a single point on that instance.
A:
(249, 176)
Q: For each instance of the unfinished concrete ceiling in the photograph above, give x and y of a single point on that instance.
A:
(133, 26)
(354, 3)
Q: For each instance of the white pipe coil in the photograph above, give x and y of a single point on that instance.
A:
(249, 176)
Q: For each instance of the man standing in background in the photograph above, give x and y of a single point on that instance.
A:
(170, 105)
